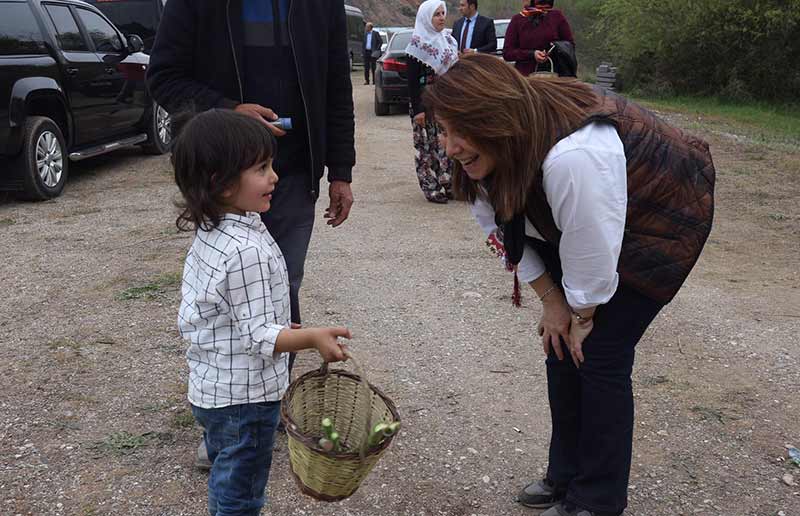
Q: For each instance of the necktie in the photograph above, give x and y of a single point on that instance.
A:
(464, 34)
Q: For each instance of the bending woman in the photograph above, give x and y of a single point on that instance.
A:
(603, 209)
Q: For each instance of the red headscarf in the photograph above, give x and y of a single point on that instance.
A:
(537, 8)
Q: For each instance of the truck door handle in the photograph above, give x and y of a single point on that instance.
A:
(71, 71)
(110, 70)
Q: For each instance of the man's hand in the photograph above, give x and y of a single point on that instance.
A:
(341, 197)
(419, 119)
(540, 56)
(262, 114)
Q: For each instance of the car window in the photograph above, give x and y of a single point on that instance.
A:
(104, 36)
(67, 33)
(19, 32)
(138, 17)
(400, 40)
(355, 27)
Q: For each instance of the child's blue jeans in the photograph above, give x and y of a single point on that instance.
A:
(239, 440)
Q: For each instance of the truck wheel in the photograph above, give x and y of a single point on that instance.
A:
(159, 131)
(43, 163)
(381, 109)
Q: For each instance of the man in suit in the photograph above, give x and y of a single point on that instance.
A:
(372, 51)
(473, 32)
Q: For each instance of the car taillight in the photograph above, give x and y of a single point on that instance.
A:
(393, 65)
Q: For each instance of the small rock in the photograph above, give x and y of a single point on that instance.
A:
(473, 295)
(486, 479)
(472, 451)
(788, 479)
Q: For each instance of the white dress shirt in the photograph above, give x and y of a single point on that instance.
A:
(234, 303)
(585, 182)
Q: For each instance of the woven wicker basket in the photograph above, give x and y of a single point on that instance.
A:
(355, 406)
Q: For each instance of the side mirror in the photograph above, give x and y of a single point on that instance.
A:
(135, 43)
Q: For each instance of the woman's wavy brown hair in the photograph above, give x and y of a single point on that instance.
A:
(513, 118)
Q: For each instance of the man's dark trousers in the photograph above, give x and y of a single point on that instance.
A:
(369, 67)
(290, 221)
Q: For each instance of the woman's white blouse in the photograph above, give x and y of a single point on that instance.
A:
(585, 182)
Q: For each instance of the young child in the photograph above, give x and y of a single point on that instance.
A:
(234, 308)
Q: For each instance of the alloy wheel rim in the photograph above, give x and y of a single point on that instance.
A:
(163, 125)
(49, 159)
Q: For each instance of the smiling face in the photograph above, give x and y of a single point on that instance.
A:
(439, 19)
(254, 190)
(477, 164)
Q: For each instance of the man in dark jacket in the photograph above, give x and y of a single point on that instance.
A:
(473, 32)
(270, 58)
(267, 59)
(372, 51)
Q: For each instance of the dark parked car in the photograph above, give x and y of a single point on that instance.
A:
(391, 81)
(355, 35)
(71, 87)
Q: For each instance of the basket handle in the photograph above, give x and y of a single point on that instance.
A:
(367, 398)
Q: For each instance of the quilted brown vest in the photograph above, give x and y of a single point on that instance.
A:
(670, 199)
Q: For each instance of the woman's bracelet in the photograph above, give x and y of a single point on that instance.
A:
(548, 292)
(581, 319)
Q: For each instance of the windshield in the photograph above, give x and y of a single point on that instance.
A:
(500, 29)
(400, 40)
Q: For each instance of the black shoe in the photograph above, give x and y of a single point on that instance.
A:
(541, 495)
(366, 83)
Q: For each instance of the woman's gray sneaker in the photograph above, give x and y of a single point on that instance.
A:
(540, 495)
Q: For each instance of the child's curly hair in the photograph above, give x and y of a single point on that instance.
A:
(209, 155)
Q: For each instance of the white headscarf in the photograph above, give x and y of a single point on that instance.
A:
(436, 49)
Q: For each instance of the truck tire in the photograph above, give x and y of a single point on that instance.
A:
(43, 163)
(159, 131)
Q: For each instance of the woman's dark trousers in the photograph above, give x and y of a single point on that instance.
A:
(592, 406)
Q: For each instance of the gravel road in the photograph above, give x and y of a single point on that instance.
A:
(94, 420)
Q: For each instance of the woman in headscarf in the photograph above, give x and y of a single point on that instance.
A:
(431, 53)
(603, 209)
(532, 32)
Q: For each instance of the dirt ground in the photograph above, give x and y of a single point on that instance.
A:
(93, 413)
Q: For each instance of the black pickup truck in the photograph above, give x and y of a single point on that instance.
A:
(71, 87)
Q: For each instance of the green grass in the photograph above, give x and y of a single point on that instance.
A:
(7, 222)
(157, 288)
(770, 121)
(123, 443)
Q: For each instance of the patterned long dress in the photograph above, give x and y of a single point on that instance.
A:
(434, 168)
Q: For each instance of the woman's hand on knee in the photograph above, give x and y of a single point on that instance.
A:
(555, 324)
(578, 331)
